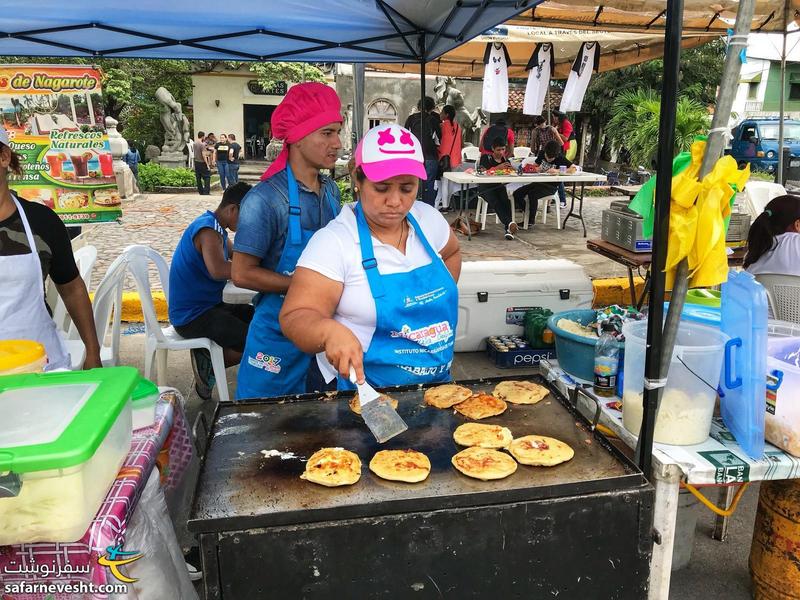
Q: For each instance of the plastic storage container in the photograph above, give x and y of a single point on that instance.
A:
(687, 402)
(575, 353)
(63, 440)
(143, 404)
(744, 320)
(782, 418)
(493, 296)
(699, 313)
(21, 356)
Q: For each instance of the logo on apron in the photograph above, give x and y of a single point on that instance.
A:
(425, 298)
(426, 336)
(266, 362)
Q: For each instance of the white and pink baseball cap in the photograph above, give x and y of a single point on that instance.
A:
(386, 151)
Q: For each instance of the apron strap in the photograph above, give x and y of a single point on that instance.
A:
(295, 231)
(433, 254)
(368, 256)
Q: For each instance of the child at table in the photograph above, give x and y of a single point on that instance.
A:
(550, 160)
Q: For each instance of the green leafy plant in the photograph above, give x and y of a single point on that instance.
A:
(345, 190)
(153, 175)
(635, 122)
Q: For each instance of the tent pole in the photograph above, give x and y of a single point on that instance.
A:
(359, 84)
(782, 107)
(422, 120)
(666, 143)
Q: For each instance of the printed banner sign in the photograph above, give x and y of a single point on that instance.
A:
(54, 118)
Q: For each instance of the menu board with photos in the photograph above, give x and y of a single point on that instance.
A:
(54, 118)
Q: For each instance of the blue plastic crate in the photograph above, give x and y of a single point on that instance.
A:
(518, 358)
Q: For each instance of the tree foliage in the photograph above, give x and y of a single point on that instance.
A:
(635, 122)
(700, 74)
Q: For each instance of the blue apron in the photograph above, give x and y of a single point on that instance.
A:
(416, 319)
(271, 364)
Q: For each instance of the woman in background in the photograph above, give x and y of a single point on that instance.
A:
(773, 243)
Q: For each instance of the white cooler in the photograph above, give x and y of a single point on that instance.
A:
(494, 295)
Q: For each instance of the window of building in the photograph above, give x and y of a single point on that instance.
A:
(752, 90)
(381, 111)
(794, 91)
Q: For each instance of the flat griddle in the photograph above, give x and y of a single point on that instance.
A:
(239, 488)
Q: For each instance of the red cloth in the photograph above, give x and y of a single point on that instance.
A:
(565, 129)
(305, 108)
(509, 139)
(451, 142)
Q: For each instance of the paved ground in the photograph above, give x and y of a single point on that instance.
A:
(718, 569)
(158, 220)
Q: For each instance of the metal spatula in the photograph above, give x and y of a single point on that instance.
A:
(382, 420)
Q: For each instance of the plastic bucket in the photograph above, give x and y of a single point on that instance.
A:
(575, 353)
(687, 403)
(21, 356)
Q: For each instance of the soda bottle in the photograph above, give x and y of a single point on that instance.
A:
(606, 363)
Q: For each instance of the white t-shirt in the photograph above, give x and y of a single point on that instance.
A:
(540, 66)
(335, 252)
(783, 260)
(495, 79)
(585, 64)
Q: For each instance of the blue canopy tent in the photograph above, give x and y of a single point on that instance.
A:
(360, 31)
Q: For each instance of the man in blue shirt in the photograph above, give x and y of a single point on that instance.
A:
(201, 266)
(277, 219)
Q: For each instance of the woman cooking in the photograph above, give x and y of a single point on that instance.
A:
(375, 290)
(34, 244)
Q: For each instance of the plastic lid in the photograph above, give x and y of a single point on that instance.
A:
(144, 389)
(18, 353)
(697, 313)
(744, 378)
(58, 420)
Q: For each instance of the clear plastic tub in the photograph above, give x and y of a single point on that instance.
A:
(782, 418)
(63, 441)
(687, 403)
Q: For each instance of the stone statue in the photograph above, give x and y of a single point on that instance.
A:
(176, 130)
(126, 182)
(470, 123)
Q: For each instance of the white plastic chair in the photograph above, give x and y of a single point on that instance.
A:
(543, 204)
(783, 294)
(160, 340)
(107, 297)
(482, 211)
(757, 195)
(522, 152)
(471, 154)
(85, 258)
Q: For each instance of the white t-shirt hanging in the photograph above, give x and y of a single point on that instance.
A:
(540, 68)
(588, 60)
(335, 252)
(495, 78)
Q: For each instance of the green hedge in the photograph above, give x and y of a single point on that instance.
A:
(153, 175)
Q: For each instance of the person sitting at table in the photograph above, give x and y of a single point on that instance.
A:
(201, 266)
(375, 290)
(495, 194)
(773, 243)
(550, 159)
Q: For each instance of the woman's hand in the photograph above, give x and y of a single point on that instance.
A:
(553, 171)
(343, 350)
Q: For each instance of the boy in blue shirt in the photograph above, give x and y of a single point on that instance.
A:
(201, 266)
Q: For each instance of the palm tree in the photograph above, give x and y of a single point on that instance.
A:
(635, 122)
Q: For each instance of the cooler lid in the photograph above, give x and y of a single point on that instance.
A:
(58, 420)
(744, 377)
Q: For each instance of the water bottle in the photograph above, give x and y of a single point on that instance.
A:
(606, 363)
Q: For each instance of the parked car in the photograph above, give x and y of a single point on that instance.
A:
(755, 141)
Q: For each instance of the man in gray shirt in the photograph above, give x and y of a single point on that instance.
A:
(201, 171)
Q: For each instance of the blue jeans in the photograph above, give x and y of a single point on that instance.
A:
(562, 194)
(222, 167)
(427, 192)
(233, 173)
